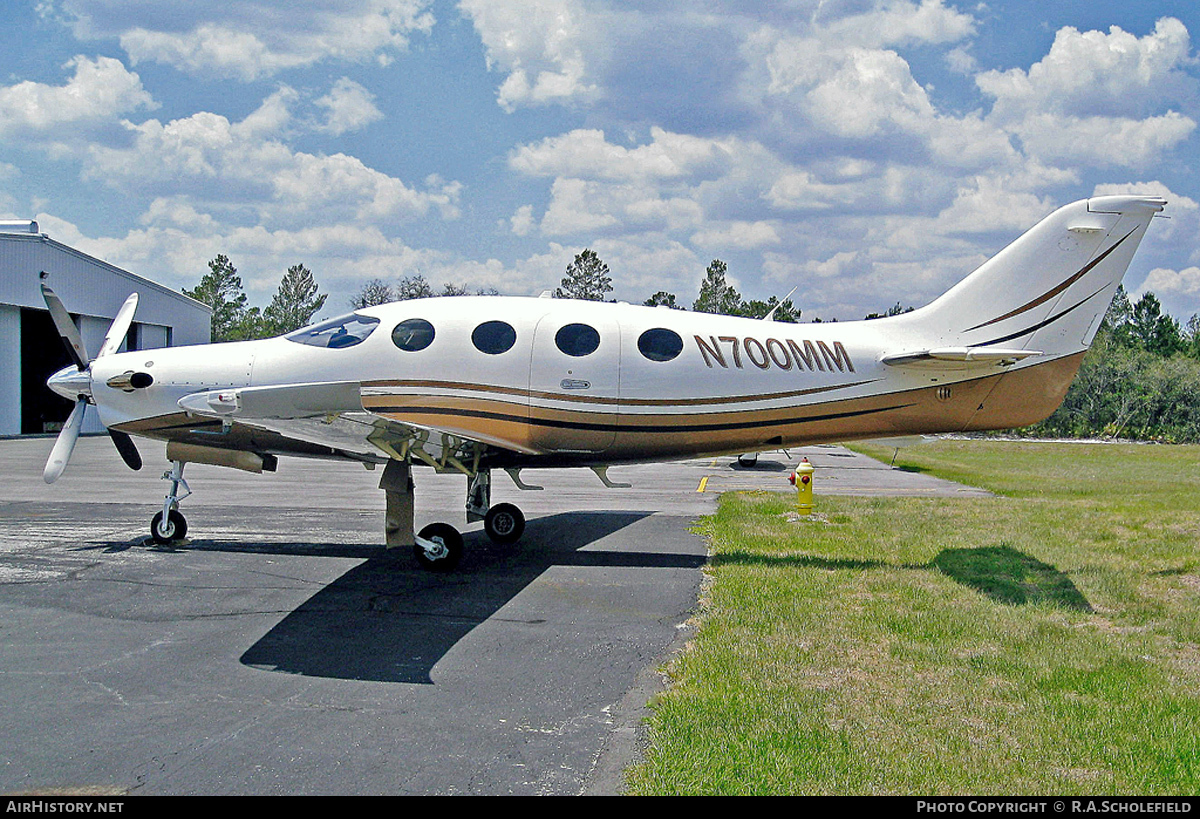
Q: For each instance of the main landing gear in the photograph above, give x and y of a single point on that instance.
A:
(503, 523)
(439, 546)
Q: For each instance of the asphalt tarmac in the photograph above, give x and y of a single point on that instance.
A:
(282, 650)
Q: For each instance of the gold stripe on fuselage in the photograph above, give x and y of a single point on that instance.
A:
(999, 400)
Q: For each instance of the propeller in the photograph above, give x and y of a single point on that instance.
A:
(78, 384)
(65, 443)
(66, 328)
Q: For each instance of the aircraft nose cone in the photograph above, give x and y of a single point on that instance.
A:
(70, 383)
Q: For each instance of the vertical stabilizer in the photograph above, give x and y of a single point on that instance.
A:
(1049, 289)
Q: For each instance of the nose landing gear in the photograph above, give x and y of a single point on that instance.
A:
(169, 524)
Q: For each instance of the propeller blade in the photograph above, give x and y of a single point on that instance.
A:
(129, 453)
(61, 453)
(119, 327)
(66, 328)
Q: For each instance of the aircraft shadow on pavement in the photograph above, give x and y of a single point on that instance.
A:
(388, 621)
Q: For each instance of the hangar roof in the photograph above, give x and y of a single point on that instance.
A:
(87, 285)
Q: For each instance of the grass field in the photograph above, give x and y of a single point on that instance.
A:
(1045, 641)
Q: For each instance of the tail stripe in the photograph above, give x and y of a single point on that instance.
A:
(1040, 324)
(1052, 293)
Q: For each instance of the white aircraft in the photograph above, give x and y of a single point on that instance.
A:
(472, 385)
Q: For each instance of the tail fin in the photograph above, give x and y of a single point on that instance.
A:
(1049, 289)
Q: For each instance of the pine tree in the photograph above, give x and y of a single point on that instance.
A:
(587, 278)
(221, 289)
(374, 292)
(717, 295)
(662, 299)
(1155, 330)
(295, 303)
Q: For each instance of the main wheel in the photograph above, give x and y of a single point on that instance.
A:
(449, 549)
(504, 524)
(173, 528)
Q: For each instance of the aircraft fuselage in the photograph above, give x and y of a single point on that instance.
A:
(591, 382)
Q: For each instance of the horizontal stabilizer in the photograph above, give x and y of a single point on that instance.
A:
(958, 355)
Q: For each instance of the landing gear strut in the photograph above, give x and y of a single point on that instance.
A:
(169, 524)
(503, 522)
(439, 546)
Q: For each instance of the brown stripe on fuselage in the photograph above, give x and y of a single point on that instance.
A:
(999, 401)
(582, 398)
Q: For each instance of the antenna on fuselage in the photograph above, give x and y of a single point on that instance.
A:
(771, 315)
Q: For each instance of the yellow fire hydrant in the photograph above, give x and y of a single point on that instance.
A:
(802, 479)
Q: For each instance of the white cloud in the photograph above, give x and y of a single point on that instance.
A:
(869, 91)
(900, 23)
(1102, 141)
(586, 153)
(100, 90)
(737, 235)
(350, 107)
(247, 165)
(251, 40)
(993, 205)
(522, 221)
(540, 45)
(1094, 74)
(1087, 101)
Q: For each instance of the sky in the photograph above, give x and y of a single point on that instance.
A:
(861, 152)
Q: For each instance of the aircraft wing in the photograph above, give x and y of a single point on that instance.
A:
(957, 357)
(331, 414)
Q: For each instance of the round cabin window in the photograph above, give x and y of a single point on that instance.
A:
(412, 335)
(660, 344)
(494, 337)
(577, 340)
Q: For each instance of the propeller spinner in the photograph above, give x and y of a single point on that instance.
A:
(75, 383)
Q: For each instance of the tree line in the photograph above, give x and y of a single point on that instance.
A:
(298, 300)
(1140, 380)
(587, 278)
(293, 306)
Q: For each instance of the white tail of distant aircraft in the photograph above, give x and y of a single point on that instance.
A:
(471, 385)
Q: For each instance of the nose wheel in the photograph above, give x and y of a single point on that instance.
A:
(169, 525)
(173, 527)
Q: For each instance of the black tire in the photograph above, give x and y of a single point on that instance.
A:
(450, 539)
(174, 529)
(504, 524)
(748, 459)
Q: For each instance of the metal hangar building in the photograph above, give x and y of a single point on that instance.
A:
(93, 291)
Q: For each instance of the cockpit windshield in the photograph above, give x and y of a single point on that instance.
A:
(343, 331)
